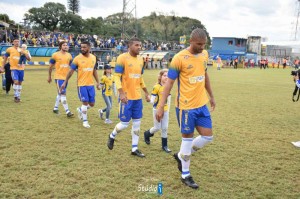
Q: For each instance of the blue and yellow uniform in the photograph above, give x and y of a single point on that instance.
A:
(157, 92)
(85, 67)
(128, 76)
(16, 70)
(191, 97)
(62, 62)
(107, 85)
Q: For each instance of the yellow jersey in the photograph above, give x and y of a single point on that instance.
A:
(157, 91)
(189, 70)
(85, 67)
(14, 55)
(107, 85)
(61, 62)
(131, 70)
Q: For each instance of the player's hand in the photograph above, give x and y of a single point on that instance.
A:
(98, 86)
(123, 97)
(62, 87)
(147, 97)
(159, 113)
(49, 80)
(212, 104)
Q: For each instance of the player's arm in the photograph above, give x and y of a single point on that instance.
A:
(3, 64)
(209, 91)
(28, 56)
(119, 70)
(69, 75)
(95, 74)
(51, 65)
(143, 86)
(160, 107)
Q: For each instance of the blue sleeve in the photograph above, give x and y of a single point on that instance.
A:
(52, 61)
(173, 73)
(73, 66)
(119, 69)
(6, 54)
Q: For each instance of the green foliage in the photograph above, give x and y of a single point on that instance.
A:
(48, 16)
(5, 18)
(156, 27)
(74, 5)
(72, 23)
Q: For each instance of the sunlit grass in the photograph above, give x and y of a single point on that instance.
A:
(43, 155)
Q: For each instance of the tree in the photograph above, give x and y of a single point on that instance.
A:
(5, 18)
(48, 16)
(71, 23)
(73, 5)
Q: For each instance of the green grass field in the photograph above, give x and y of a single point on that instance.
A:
(43, 155)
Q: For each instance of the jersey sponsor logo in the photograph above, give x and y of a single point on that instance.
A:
(186, 57)
(64, 65)
(87, 69)
(134, 76)
(190, 66)
(196, 79)
(16, 57)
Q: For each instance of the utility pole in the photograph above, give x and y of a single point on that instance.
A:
(129, 11)
(298, 13)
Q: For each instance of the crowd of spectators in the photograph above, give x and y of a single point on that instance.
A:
(52, 39)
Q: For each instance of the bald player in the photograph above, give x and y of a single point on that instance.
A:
(189, 68)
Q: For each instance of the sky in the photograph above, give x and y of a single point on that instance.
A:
(273, 19)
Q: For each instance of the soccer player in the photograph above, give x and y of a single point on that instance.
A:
(86, 66)
(107, 85)
(61, 60)
(189, 68)
(156, 95)
(16, 70)
(129, 81)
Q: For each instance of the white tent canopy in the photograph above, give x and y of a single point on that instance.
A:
(4, 24)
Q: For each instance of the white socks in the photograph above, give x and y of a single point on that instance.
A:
(200, 141)
(184, 155)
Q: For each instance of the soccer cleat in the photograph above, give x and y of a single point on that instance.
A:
(188, 181)
(147, 136)
(110, 142)
(86, 124)
(100, 114)
(108, 121)
(70, 114)
(56, 111)
(138, 153)
(164, 142)
(17, 100)
(179, 166)
(79, 114)
(166, 149)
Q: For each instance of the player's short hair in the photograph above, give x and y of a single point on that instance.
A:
(87, 43)
(198, 33)
(61, 43)
(133, 40)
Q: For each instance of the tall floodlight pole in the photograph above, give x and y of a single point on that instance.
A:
(298, 13)
(129, 11)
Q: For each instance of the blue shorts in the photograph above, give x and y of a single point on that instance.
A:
(189, 119)
(86, 93)
(133, 109)
(59, 82)
(17, 75)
